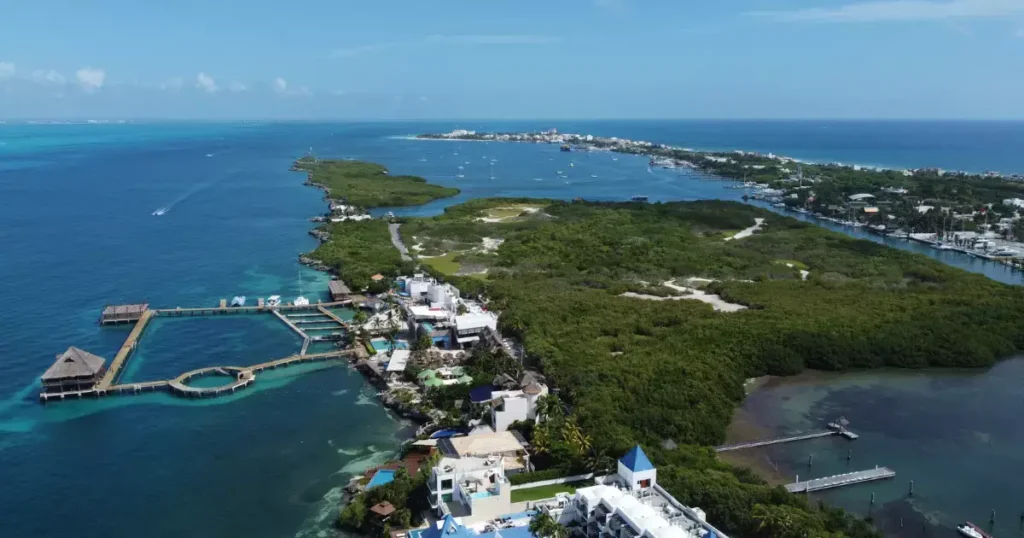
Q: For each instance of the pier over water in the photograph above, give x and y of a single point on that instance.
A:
(105, 382)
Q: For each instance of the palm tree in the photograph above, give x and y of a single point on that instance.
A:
(574, 436)
(541, 441)
(359, 318)
(549, 407)
(544, 526)
(598, 460)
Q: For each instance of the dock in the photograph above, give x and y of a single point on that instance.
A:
(840, 480)
(313, 317)
(787, 439)
(127, 348)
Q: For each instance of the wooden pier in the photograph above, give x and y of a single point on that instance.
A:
(243, 376)
(221, 311)
(127, 348)
(786, 439)
(840, 480)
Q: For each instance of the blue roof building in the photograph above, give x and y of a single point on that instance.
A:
(637, 470)
(635, 460)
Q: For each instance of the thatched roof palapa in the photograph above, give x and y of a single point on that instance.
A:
(74, 363)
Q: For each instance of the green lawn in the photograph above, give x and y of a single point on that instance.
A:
(546, 492)
(445, 264)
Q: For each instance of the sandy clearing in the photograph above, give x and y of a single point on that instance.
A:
(749, 231)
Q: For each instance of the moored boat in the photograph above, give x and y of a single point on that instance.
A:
(274, 300)
(238, 300)
(972, 531)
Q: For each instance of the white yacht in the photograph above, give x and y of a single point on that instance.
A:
(274, 300)
(972, 531)
(239, 300)
(1005, 251)
(301, 301)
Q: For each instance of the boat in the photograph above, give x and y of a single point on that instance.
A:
(160, 211)
(972, 531)
(1005, 251)
(639, 198)
(942, 246)
(572, 165)
(566, 147)
(300, 300)
(274, 300)
(239, 300)
(593, 175)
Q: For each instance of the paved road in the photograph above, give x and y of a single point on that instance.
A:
(397, 241)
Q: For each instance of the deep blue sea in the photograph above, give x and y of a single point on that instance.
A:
(77, 231)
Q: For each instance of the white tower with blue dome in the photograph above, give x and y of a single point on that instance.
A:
(637, 470)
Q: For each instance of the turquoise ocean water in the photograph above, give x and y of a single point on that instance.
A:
(77, 231)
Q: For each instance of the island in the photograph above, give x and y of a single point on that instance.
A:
(647, 319)
(977, 213)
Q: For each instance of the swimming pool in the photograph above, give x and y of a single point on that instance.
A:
(380, 344)
(381, 477)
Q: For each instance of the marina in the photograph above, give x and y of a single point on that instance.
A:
(78, 374)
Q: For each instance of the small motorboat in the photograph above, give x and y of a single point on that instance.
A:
(274, 300)
(239, 300)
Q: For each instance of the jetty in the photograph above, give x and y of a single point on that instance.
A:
(834, 430)
(79, 374)
(840, 480)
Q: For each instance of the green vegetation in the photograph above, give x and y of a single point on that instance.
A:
(446, 264)
(547, 492)
(369, 185)
(408, 494)
(357, 250)
(670, 373)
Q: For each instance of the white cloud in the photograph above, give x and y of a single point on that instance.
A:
(494, 39)
(48, 77)
(237, 87)
(206, 83)
(7, 70)
(280, 85)
(361, 50)
(899, 10)
(173, 83)
(90, 79)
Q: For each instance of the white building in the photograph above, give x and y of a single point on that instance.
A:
(443, 296)
(631, 504)
(469, 327)
(508, 406)
(470, 480)
(417, 285)
(1015, 202)
(470, 488)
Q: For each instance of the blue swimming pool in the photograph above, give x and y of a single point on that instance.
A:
(380, 344)
(381, 477)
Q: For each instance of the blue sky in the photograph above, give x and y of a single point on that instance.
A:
(397, 59)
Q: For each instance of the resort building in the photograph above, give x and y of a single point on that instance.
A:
(470, 480)
(630, 504)
(469, 328)
(520, 404)
(74, 369)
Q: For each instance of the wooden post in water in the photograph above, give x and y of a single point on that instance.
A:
(810, 459)
(992, 518)
(872, 498)
(849, 455)
(911, 488)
